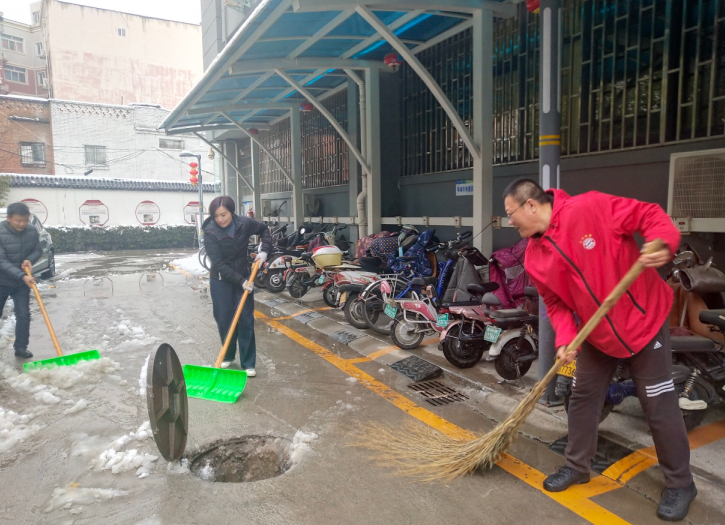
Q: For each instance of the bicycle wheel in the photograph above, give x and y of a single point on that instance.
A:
(375, 300)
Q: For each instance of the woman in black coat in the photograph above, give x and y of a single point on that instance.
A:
(226, 237)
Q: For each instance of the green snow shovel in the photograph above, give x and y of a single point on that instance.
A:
(219, 384)
(61, 360)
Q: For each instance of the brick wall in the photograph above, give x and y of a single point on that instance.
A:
(25, 121)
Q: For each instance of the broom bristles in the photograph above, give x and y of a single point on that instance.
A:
(420, 452)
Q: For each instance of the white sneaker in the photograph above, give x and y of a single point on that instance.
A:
(251, 372)
(226, 364)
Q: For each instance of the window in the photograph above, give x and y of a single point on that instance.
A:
(15, 74)
(32, 153)
(121, 31)
(39, 49)
(12, 43)
(96, 156)
(42, 79)
(171, 144)
(36, 17)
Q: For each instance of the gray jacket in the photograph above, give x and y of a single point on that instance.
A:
(15, 247)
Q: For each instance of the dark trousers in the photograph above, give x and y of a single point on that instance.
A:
(21, 299)
(225, 298)
(651, 370)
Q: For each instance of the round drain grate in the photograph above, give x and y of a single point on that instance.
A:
(243, 459)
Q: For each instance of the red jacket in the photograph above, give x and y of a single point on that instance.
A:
(585, 252)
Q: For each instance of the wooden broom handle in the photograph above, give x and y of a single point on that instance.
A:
(45, 314)
(607, 305)
(233, 326)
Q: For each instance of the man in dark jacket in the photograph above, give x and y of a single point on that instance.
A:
(580, 248)
(19, 249)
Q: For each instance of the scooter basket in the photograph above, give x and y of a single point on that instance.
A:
(327, 256)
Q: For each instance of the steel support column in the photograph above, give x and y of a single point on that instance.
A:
(372, 139)
(353, 165)
(549, 157)
(298, 205)
(482, 80)
(256, 178)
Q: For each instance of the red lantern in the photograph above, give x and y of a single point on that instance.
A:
(533, 5)
(253, 131)
(393, 60)
(193, 180)
(306, 106)
(193, 164)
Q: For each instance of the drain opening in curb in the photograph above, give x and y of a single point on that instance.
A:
(243, 459)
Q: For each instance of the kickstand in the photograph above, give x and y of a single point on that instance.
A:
(518, 382)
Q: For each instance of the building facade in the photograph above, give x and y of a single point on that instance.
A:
(23, 57)
(26, 137)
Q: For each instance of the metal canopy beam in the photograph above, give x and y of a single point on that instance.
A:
(251, 87)
(305, 63)
(278, 11)
(264, 148)
(322, 109)
(499, 9)
(332, 24)
(424, 75)
(232, 164)
(240, 107)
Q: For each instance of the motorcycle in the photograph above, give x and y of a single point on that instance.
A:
(510, 336)
(698, 369)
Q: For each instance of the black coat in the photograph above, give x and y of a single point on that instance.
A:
(228, 256)
(16, 247)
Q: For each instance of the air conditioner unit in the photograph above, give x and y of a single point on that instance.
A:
(696, 197)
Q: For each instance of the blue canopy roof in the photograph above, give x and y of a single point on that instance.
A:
(313, 42)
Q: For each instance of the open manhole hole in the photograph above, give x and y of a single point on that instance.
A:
(243, 459)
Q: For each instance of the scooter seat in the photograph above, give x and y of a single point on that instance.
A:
(461, 303)
(692, 343)
(509, 313)
(424, 281)
(373, 262)
(481, 289)
(714, 317)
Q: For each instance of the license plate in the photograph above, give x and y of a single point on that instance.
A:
(491, 334)
(390, 310)
(321, 280)
(568, 370)
(442, 320)
(343, 298)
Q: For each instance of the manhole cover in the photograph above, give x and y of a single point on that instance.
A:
(437, 394)
(417, 369)
(244, 459)
(346, 336)
(167, 403)
(306, 318)
(607, 454)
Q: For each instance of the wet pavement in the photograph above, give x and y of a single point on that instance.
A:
(318, 378)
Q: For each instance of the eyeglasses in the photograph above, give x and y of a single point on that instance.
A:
(508, 217)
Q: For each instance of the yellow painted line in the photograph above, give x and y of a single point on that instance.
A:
(571, 499)
(184, 272)
(550, 143)
(308, 310)
(359, 360)
(542, 137)
(393, 348)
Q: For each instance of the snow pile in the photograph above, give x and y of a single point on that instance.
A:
(65, 498)
(47, 397)
(117, 460)
(178, 467)
(15, 428)
(188, 341)
(135, 336)
(300, 446)
(7, 326)
(207, 472)
(59, 378)
(144, 376)
(80, 405)
(351, 379)
(190, 264)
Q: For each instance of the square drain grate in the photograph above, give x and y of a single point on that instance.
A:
(346, 336)
(607, 454)
(417, 369)
(309, 316)
(437, 394)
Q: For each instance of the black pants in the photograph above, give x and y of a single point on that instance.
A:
(21, 299)
(225, 298)
(651, 370)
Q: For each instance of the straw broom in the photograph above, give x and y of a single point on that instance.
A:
(419, 451)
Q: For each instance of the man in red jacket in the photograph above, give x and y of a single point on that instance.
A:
(580, 248)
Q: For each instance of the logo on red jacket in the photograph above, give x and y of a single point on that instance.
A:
(588, 242)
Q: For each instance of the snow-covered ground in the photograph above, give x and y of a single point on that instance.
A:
(191, 265)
